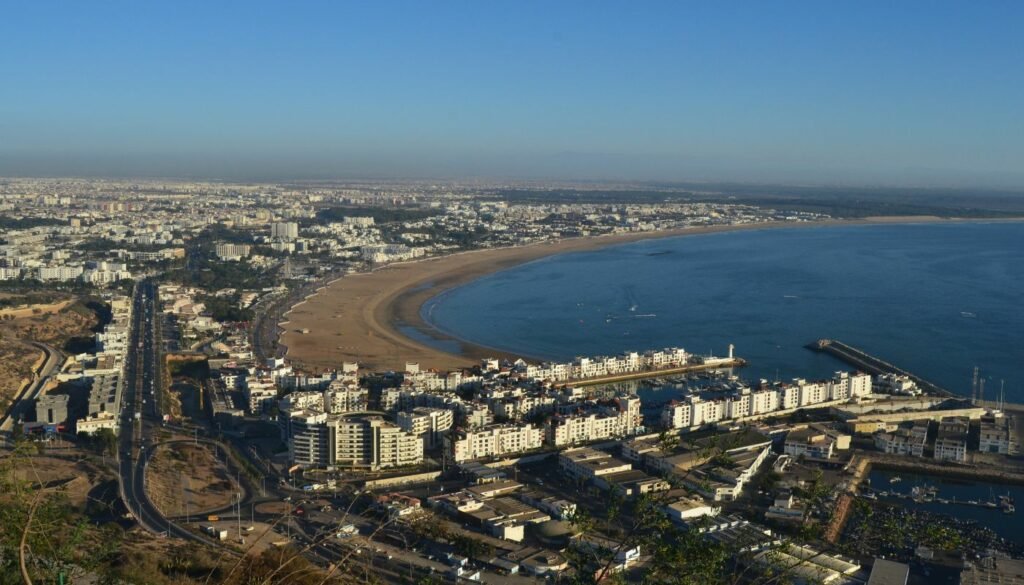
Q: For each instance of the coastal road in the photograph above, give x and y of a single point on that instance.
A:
(265, 330)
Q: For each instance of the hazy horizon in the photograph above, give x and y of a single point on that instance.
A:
(914, 94)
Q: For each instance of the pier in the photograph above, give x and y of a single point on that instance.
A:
(932, 498)
(873, 365)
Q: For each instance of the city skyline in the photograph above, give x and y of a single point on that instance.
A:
(912, 94)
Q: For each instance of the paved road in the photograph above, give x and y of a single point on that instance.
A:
(25, 401)
(266, 330)
(141, 416)
(138, 438)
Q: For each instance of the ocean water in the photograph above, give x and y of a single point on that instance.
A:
(935, 299)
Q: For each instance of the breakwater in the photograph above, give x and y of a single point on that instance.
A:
(873, 365)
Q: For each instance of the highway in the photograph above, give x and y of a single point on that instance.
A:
(141, 416)
(313, 532)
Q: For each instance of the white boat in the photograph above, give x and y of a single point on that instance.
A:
(895, 479)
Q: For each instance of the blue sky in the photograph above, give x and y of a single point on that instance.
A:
(924, 93)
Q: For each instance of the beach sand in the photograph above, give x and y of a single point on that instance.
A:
(372, 318)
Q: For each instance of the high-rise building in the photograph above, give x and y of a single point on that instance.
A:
(285, 230)
(318, 439)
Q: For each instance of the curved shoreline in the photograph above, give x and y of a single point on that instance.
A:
(374, 318)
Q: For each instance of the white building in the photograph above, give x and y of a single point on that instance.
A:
(696, 411)
(495, 440)
(430, 424)
(232, 252)
(619, 419)
(60, 273)
(259, 393)
(585, 464)
(284, 230)
(815, 442)
(951, 440)
(997, 435)
(343, 397)
(904, 440)
(95, 422)
(686, 510)
(329, 441)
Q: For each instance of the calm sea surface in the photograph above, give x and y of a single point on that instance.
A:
(934, 299)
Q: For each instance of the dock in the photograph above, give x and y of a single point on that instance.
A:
(873, 365)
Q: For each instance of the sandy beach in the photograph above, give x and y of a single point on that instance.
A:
(372, 318)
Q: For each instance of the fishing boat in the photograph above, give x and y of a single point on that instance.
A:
(923, 493)
(895, 479)
(1006, 503)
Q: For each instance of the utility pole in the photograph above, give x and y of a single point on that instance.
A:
(238, 515)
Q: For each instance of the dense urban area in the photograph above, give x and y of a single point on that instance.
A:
(156, 430)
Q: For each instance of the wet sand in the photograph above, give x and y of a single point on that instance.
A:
(374, 318)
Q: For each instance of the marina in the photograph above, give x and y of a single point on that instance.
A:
(989, 505)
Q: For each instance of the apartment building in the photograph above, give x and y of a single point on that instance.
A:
(494, 440)
(284, 230)
(430, 424)
(596, 367)
(60, 273)
(373, 442)
(619, 419)
(343, 397)
(696, 410)
(318, 439)
(232, 252)
(259, 392)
